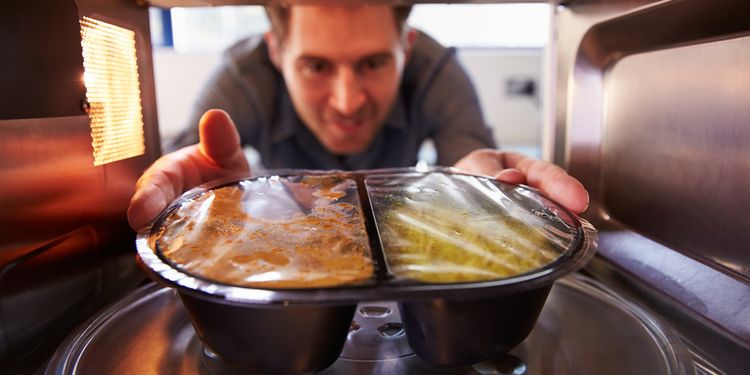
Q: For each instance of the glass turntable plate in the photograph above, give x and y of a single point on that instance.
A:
(583, 329)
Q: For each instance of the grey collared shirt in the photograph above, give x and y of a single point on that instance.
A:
(436, 101)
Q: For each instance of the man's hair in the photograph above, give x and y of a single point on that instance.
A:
(278, 15)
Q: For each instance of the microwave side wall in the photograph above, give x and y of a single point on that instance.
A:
(66, 249)
(651, 114)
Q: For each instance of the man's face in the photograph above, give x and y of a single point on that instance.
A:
(342, 66)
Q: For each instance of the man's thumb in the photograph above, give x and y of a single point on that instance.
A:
(220, 142)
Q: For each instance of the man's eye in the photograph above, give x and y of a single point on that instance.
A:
(373, 63)
(316, 67)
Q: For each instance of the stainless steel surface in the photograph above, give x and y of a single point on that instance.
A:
(62, 230)
(48, 92)
(583, 329)
(48, 170)
(66, 249)
(677, 122)
(652, 117)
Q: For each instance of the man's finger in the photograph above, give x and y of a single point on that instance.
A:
(145, 205)
(551, 179)
(511, 176)
(516, 168)
(220, 142)
(567, 191)
(484, 162)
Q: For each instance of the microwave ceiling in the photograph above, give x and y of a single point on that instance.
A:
(206, 3)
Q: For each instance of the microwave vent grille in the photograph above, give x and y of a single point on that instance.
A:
(112, 91)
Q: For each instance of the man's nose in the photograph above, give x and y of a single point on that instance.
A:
(347, 95)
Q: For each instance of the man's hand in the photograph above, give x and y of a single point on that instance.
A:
(218, 154)
(515, 168)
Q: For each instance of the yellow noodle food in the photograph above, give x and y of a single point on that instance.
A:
(323, 244)
(428, 243)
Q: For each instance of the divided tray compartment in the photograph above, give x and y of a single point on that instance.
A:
(400, 233)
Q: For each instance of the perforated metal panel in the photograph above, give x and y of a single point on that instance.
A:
(112, 91)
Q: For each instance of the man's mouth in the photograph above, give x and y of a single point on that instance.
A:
(348, 124)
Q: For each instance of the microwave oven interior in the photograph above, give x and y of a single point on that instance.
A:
(646, 105)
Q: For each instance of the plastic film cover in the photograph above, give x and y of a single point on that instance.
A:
(449, 228)
(273, 232)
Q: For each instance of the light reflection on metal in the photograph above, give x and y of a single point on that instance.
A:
(112, 91)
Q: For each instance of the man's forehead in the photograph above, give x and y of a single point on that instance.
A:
(353, 10)
(328, 29)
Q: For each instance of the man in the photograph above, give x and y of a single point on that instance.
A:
(311, 96)
(346, 87)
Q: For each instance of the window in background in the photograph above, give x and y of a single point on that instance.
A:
(484, 25)
(204, 29)
(216, 28)
(161, 27)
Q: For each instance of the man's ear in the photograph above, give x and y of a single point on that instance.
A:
(411, 37)
(273, 48)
